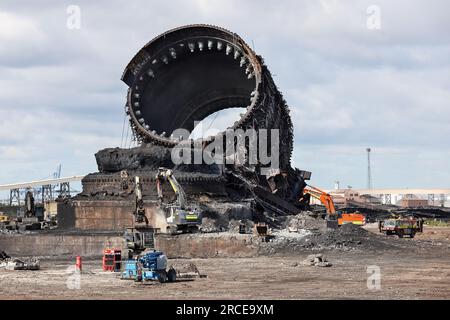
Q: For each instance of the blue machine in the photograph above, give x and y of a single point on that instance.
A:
(150, 266)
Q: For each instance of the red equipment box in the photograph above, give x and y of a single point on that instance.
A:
(112, 260)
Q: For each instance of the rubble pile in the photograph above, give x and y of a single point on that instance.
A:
(316, 260)
(8, 263)
(311, 234)
(305, 221)
(13, 231)
(223, 216)
(348, 237)
(187, 270)
(235, 225)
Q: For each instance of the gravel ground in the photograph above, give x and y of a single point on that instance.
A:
(409, 269)
(428, 277)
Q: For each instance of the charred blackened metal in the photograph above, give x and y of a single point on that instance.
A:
(175, 81)
(188, 73)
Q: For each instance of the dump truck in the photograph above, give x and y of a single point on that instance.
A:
(401, 226)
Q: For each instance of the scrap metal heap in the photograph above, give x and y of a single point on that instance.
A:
(8, 263)
(175, 81)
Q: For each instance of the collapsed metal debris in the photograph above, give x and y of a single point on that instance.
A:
(179, 78)
(190, 72)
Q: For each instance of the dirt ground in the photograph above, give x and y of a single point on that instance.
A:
(422, 273)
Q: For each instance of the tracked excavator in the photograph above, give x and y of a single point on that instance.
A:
(140, 237)
(179, 216)
(333, 217)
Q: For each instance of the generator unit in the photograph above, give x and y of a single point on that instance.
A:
(150, 266)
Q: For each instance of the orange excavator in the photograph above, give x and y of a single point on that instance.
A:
(334, 218)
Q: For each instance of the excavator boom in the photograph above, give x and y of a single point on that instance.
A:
(324, 198)
(327, 201)
(333, 218)
(178, 190)
(139, 210)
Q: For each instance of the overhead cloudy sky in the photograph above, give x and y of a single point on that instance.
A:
(354, 73)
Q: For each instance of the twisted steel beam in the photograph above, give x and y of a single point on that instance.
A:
(188, 73)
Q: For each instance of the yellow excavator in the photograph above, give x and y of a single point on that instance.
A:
(4, 218)
(179, 216)
(334, 218)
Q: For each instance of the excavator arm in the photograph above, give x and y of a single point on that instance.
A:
(324, 198)
(327, 201)
(333, 218)
(166, 174)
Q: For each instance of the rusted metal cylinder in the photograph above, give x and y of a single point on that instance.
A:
(188, 73)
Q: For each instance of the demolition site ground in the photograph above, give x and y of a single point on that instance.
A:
(184, 75)
(416, 268)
